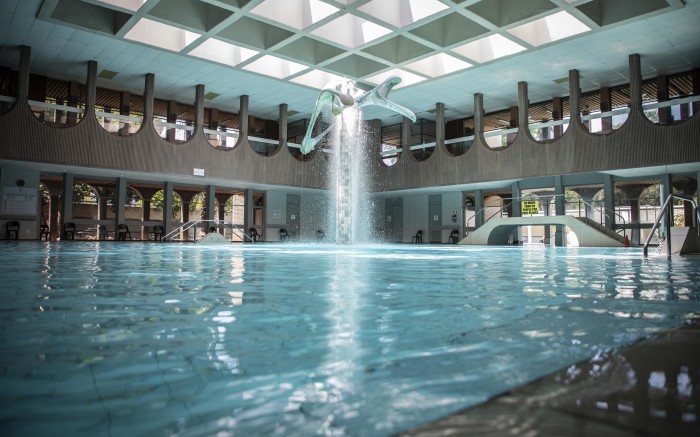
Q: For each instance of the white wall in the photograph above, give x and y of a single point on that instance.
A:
(415, 216)
(28, 225)
(314, 216)
(275, 214)
(451, 201)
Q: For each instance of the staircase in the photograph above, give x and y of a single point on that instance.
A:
(600, 228)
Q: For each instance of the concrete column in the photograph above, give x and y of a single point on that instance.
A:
(605, 106)
(478, 118)
(440, 126)
(66, 201)
(282, 126)
(574, 98)
(560, 209)
(665, 190)
(25, 57)
(149, 89)
(198, 109)
(515, 194)
(125, 109)
(210, 201)
(73, 98)
(662, 96)
(168, 206)
(557, 114)
(609, 201)
(91, 88)
(514, 120)
(696, 88)
(248, 215)
(172, 118)
(478, 208)
(121, 200)
(635, 84)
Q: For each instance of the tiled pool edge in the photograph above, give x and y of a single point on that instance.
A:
(585, 399)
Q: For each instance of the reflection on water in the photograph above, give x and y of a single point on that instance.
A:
(105, 338)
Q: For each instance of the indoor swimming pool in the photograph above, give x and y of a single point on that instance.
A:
(299, 340)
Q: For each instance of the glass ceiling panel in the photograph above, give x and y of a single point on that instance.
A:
(351, 31)
(222, 52)
(438, 65)
(407, 78)
(551, 28)
(132, 5)
(298, 14)
(401, 13)
(275, 67)
(318, 79)
(489, 48)
(161, 35)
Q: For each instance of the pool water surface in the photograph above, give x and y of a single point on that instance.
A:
(298, 340)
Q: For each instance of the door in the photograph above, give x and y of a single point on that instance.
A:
(393, 220)
(435, 222)
(293, 218)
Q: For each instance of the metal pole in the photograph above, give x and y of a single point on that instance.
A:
(669, 223)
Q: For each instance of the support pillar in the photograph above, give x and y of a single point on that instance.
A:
(125, 109)
(665, 117)
(559, 209)
(248, 214)
(478, 208)
(609, 201)
(66, 201)
(665, 190)
(168, 207)
(605, 106)
(557, 114)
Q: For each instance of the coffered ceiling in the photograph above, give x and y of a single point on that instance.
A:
(285, 51)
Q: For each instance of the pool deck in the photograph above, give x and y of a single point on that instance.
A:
(651, 388)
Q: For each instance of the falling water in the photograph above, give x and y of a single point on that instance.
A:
(349, 182)
(342, 104)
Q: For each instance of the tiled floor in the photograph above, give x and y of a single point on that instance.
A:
(648, 389)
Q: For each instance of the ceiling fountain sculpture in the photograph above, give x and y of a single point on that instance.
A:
(344, 103)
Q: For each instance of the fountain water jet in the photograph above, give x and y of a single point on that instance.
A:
(349, 179)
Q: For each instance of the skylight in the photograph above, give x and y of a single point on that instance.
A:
(161, 35)
(489, 48)
(318, 79)
(407, 78)
(551, 28)
(298, 14)
(401, 13)
(438, 65)
(131, 5)
(351, 31)
(274, 66)
(222, 52)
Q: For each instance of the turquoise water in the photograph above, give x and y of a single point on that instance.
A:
(299, 340)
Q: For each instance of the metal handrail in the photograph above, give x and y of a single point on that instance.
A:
(624, 222)
(500, 210)
(664, 210)
(193, 224)
(512, 199)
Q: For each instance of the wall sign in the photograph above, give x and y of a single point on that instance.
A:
(20, 201)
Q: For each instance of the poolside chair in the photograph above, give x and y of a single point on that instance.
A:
(284, 235)
(12, 227)
(101, 232)
(44, 233)
(320, 234)
(418, 238)
(157, 233)
(454, 236)
(254, 236)
(68, 231)
(122, 232)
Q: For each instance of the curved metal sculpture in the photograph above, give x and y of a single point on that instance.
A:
(346, 95)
